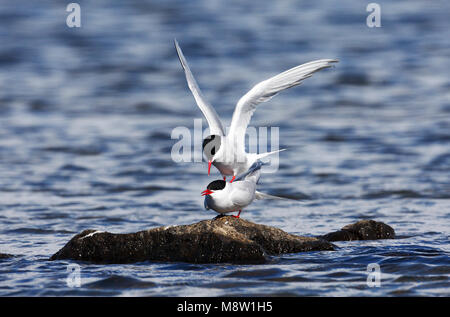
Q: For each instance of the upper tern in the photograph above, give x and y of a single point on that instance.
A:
(227, 151)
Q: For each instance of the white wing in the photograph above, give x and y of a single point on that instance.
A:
(215, 126)
(265, 90)
(243, 193)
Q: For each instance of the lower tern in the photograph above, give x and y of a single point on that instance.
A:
(225, 197)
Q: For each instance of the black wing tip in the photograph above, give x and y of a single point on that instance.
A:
(179, 53)
(331, 63)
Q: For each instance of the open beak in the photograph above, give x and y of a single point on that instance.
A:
(209, 167)
(207, 192)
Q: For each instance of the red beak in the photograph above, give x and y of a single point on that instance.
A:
(206, 192)
(209, 167)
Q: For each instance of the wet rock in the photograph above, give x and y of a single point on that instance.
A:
(220, 240)
(362, 230)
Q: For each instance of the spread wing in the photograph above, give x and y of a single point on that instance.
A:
(265, 90)
(215, 126)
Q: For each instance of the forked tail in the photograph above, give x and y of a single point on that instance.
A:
(263, 155)
(259, 195)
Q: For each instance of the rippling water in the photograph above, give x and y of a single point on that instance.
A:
(86, 117)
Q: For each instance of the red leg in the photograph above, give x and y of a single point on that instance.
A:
(239, 213)
(224, 178)
(232, 179)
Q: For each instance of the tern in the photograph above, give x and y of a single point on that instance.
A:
(225, 197)
(227, 151)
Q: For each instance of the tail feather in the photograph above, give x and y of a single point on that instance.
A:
(263, 155)
(259, 195)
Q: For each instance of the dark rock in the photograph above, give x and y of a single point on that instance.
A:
(221, 240)
(5, 256)
(362, 230)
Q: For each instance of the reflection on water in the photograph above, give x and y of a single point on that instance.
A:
(86, 117)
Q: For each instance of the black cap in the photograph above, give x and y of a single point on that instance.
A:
(216, 185)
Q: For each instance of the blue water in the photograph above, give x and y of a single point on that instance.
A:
(86, 116)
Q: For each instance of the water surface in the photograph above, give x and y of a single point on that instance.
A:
(86, 117)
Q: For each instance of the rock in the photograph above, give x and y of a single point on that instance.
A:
(5, 256)
(362, 230)
(220, 240)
